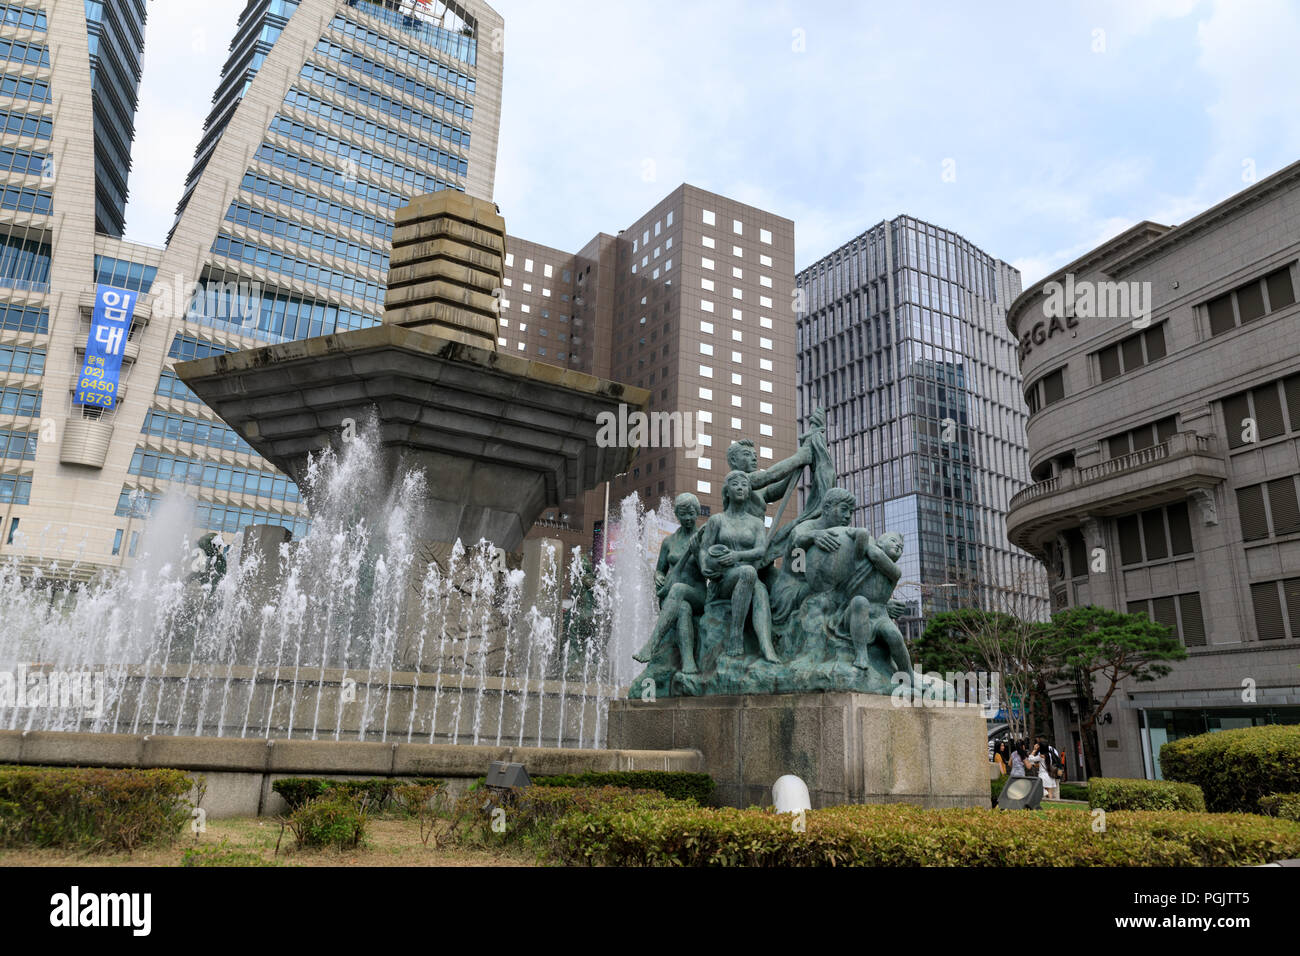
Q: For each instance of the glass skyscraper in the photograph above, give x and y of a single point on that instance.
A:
(903, 339)
(329, 115)
(115, 39)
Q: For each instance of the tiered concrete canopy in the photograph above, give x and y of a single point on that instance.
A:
(500, 438)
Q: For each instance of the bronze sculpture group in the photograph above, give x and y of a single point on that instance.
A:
(745, 608)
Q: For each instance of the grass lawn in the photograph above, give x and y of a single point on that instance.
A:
(244, 841)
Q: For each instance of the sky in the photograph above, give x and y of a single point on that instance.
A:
(1035, 130)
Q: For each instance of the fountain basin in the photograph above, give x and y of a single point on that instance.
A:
(257, 702)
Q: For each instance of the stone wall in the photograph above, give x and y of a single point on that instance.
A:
(237, 774)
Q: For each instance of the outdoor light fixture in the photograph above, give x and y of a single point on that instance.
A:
(1021, 793)
(790, 795)
(507, 776)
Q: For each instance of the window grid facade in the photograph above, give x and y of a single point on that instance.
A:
(904, 343)
(284, 226)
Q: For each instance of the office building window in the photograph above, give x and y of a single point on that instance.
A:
(1142, 437)
(1257, 413)
(1268, 509)
(1132, 353)
(1250, 301)
(1181, 613)
(1277, 609)
(1154, 535)
(1046, 391)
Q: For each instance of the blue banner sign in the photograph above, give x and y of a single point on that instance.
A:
(110, 323)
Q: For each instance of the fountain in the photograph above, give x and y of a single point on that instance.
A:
(425, 456)
(398, 636)
(498, 438)
(358, 631)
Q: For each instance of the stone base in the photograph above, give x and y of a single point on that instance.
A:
(848, 748)
(238, 774)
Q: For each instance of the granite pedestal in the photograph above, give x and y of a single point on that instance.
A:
(848, 748)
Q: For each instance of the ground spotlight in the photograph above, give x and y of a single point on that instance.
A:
(507, 776)
(1021, 793)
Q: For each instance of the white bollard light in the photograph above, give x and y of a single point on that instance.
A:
(790, 795)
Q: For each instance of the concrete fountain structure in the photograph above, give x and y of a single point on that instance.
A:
(403, 633)
(499, 438)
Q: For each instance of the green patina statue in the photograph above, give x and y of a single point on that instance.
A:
(679, 585)
(731, 552)
(802, 606)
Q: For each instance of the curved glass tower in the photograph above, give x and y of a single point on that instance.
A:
(329, 115)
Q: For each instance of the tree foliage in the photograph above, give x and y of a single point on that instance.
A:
(971, 639)
(1093, 648)
(1098, 648)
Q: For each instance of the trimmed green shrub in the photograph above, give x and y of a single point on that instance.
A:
(680, 785)
(1284, 805)
(1118, 793)
(527, 816)
(900, 835)
(335, 820)
(379, 793)
(1234, 768)
(96, 809)
(296, 791)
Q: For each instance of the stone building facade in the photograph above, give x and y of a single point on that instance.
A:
(1162, 373)
(692, 301)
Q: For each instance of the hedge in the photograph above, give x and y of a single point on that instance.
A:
(680, 785)
(902, 835)
(530, 814)
(95, 809)
(1234, 768)
(379, 793)
(1284, 805)
(1118, 793)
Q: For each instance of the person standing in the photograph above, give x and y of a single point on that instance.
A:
(1038, 762)
(1058, 764)
(1018, 760)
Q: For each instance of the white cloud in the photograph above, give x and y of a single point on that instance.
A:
(185, 47)
(1056, 146)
